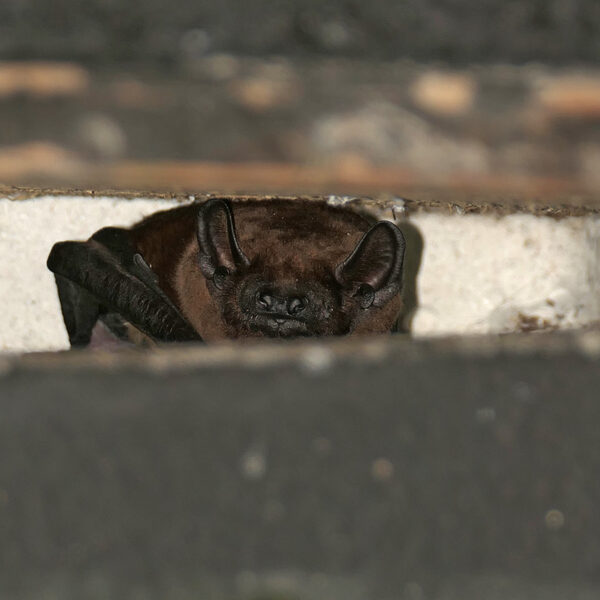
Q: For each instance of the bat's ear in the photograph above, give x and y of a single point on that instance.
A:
(374, 269)
(220, 252)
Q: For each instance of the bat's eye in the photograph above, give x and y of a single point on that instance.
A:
(220, 276)
(365, 295)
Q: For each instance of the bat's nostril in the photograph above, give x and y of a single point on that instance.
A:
(296, 306)
(264, 300)
(270, 300)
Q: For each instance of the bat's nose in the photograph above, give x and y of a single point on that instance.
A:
(270, 301)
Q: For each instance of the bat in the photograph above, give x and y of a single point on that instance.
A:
(233, 268)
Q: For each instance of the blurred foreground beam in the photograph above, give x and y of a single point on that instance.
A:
(304, 471)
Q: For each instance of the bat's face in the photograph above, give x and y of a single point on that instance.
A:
(258, 302)
(271, 296)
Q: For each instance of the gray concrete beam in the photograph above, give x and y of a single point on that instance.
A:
(374, 469)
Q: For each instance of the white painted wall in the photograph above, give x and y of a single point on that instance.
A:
(478, 273)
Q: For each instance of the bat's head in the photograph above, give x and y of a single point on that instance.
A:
(267, 295)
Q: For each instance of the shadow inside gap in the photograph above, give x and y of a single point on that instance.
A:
(412, 264)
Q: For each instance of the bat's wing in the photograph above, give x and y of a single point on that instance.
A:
(106, 276)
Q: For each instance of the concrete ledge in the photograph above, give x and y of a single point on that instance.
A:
(373, 470)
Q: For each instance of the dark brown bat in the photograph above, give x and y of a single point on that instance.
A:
(234, 269)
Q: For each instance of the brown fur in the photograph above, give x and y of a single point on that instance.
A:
(294, 242)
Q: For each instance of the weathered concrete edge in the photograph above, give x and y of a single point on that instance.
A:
(422, 199)
(312, 356)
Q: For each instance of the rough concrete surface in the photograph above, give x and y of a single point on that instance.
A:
(484, 274)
